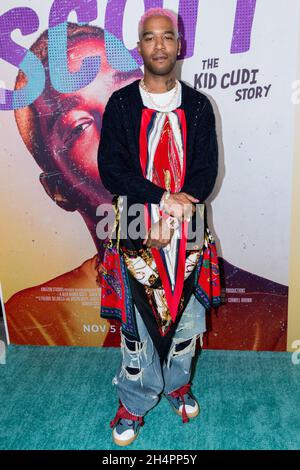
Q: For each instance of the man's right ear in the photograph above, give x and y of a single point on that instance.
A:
(55, 188)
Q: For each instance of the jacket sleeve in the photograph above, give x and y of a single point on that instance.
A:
(202, 172)
(115, 164)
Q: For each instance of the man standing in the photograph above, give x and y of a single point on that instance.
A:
(158, 150)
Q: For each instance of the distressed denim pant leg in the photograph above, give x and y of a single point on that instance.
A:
(177, 367)
(139, 380)
(140, 377)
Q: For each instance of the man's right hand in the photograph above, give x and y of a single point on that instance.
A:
(180, 205)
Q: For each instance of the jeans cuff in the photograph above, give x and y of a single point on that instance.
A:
(130, 411)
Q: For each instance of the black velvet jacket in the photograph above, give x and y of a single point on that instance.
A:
(118, 152)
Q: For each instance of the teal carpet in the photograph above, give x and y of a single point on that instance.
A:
(62, 398)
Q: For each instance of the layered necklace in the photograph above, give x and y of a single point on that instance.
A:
(142, 84)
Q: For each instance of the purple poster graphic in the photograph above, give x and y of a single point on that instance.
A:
(86, 10)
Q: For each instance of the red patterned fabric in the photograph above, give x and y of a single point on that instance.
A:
(110, 280)
(166, 159)
(209, 277)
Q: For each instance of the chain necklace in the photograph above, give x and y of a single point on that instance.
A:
(142, 84)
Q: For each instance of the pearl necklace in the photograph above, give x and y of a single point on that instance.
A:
(142, 84)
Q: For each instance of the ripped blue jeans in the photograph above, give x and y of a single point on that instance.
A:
(140, 378)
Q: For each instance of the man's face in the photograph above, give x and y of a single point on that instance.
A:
(70, 123)
(158, 45)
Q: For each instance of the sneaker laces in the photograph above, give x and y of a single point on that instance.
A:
(122, 413)
(179, 393)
